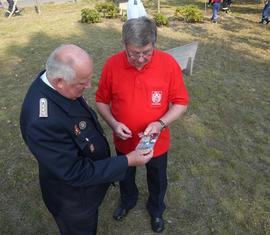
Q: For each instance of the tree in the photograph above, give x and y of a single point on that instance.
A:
(158, 6)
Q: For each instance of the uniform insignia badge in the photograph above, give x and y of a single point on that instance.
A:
(43, 107)
(82, 125)
(77, 130)
(92, 148)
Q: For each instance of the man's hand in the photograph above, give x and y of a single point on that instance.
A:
(153, 128)
(121, 130)
(139, 157)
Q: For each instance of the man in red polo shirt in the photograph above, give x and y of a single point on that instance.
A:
(141, 90)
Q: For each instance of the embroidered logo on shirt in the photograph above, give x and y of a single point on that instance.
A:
(156, 97)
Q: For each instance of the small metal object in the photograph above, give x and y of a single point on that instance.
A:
(82, 125)
(92, 148)
(163, 125)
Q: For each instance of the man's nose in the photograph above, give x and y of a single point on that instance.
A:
(141, 58)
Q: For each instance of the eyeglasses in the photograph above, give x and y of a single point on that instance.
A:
(137, 55)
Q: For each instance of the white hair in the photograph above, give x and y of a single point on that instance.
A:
(57, 68)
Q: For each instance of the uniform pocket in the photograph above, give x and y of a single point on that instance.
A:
(81, 141)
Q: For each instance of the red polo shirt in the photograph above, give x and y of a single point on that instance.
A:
(139, 97)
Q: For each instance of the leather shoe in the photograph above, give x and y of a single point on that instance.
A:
(120, 213)
(157, 224)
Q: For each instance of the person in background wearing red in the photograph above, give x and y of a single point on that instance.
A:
(141, 90)
(216, 7)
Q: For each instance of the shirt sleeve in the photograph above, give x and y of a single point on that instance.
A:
(103, 93)
(59, 157)
(178, 91)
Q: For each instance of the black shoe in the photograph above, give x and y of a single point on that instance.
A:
(265, 21)
(157, 224)
(120, 213)
(18, 12)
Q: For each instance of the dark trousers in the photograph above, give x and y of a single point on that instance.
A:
(77, 225)
(10, 5)
(157, 186)
(216, 7)
(266, 9)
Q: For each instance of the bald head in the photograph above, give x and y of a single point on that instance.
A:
(66, 61)
(69, 69)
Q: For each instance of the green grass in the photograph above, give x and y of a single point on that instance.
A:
(219, 165)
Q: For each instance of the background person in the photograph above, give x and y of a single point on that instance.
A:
(226, 5)
(64, 135)
(215, 9)
(12, 9)
(142, 90)
(265, 13)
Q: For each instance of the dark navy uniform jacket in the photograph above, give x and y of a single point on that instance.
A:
(75, 166)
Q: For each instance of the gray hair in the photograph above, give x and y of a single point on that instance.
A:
(57, 67)
(139, 31)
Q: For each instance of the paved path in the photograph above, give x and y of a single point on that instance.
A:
(27, 3)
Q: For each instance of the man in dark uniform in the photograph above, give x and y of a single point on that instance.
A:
(63, 133)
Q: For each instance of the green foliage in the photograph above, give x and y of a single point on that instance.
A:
(189, 13)
(161, 20)
(90, 16)
(124, 18)
(107, 9)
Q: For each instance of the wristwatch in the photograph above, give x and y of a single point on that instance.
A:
(163, 125)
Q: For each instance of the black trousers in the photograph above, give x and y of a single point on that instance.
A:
(86, 225)
(157, 186)
(75, 210)
(10, 5)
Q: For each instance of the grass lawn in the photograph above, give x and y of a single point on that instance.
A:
(219, 163)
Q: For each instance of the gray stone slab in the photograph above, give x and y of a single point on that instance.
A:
(185, 56)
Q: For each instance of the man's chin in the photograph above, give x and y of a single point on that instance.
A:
(139, 66)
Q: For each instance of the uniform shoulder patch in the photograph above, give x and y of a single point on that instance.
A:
(43, 107)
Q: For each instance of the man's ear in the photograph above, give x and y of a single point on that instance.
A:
(58, 83)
